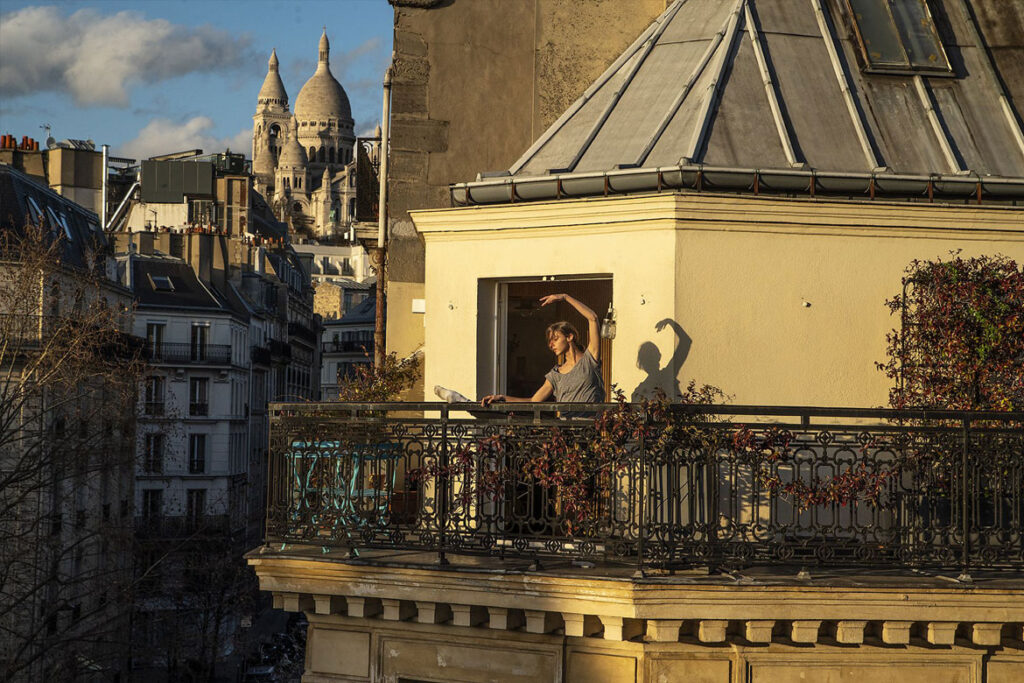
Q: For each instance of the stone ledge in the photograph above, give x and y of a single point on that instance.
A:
(878, 633)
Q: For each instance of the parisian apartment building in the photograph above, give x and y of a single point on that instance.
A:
(67, 445)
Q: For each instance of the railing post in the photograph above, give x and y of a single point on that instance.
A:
(642, 485)
(965, 522)
(443, 488)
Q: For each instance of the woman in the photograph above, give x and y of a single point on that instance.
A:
(576, 378)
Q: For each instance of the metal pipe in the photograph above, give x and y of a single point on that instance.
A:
(379, 255)
(103, 187)
(127, 196)
(385, 142)
(933, 119)
(704, 119)
(769, 87)
(844, 85)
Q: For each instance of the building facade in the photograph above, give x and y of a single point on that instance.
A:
(226, 307)
(67, 394)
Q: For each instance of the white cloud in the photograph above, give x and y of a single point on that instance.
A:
(164, 136)
(97, 58)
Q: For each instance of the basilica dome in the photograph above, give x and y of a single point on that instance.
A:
(322, 97)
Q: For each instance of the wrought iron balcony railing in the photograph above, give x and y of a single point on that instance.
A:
(205, 354)
(686, 486)
(347, 346)
(301, 331)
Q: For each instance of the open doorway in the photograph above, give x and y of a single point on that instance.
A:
(522, 345)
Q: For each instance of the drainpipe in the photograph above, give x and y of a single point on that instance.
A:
(382, 218)
(103, 188)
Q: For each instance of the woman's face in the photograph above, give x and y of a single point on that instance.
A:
(558, 342)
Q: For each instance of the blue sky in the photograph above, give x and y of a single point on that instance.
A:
(150, 76)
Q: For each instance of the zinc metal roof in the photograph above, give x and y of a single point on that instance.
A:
(778, 84)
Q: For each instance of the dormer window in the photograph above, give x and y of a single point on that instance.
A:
(162, 283)
(898, 36)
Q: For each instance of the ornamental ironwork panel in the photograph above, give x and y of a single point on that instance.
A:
(685, 486)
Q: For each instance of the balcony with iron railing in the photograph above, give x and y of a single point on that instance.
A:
(348, 346)
(28, 334)
(303, 332)
(189, 354)
(166, 527)
(680, 488)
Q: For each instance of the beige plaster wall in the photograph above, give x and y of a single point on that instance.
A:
(733, 272)
(740, 295)
(455, 266)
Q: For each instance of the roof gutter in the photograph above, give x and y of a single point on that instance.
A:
(701, 178)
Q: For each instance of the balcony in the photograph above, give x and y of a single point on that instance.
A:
(299, 330)
(165, 527)
(261, 355)
(695, 486)
(280, 349)
(188, 354)
(363, 347)
(198, 409)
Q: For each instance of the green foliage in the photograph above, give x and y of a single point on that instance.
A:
(961, 342)
(372, 384)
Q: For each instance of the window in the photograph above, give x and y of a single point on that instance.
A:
(196, 453)
(898, 35)
(155, 338)
(195, 507)
(154, 396)
(200, 338)
(152, 503)
(36, 213)
(59, 220)
(153, 457)
(198, 402)
(161, 283)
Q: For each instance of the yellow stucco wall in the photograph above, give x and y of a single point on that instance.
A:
(733, 272)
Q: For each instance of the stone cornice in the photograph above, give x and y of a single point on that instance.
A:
(657, 599)
(692, 211)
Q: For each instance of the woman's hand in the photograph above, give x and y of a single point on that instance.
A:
(492, 398)
(551, 298)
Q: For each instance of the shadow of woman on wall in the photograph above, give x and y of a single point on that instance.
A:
(648, 359)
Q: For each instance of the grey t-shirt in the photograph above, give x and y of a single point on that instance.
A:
(582, 384)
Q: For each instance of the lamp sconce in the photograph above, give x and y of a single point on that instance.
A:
(608, 324)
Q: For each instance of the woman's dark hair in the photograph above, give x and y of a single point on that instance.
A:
(566, 328)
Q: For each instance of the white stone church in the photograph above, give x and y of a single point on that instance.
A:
(303, 162)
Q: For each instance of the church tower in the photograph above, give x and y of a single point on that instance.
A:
(270, 126)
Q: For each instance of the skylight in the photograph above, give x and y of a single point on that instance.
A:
(161, 283)
(898, 36)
